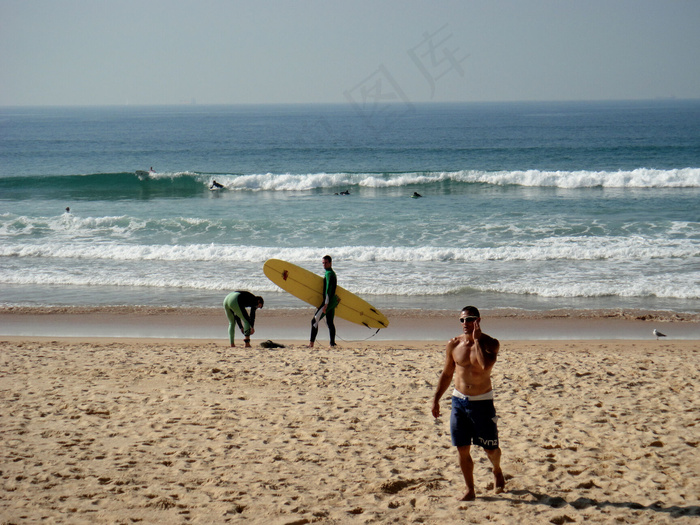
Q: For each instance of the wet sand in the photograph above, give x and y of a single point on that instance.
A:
(294, 324)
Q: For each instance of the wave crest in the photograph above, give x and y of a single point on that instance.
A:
(637, 178)
(186, 183)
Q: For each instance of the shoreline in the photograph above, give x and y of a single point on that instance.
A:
(293, 324)
(621, 313)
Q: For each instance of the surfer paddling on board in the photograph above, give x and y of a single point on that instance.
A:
(470, 358)
(235, 306)
(330, 301)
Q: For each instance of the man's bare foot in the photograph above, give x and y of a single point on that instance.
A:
(469, 496)
(311, 345)
(500, 484)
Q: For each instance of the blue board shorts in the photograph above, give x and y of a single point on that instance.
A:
(474, 423)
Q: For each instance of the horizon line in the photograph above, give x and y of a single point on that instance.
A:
(278, 104)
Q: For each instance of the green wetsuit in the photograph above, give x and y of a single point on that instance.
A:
(235, 305)
(330, 283)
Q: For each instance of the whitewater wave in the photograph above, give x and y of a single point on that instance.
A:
(638, 178)
(187, 183)
(398, 280)
(561, 287)
(551, 249)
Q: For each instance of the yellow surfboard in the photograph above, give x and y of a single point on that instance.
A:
(308, 287)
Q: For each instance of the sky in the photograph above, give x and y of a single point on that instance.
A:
(145, 52)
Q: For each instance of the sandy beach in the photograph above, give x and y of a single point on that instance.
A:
(129, 430)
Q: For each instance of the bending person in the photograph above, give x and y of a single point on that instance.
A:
(330, 301)
(235, 306)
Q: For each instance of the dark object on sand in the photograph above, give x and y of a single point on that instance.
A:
(271, 344)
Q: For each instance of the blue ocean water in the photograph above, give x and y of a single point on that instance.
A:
(535, 206)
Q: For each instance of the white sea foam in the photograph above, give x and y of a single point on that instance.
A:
(552, 249)
(637, 178)
(169, 175)
(562, 267)
(394, 279)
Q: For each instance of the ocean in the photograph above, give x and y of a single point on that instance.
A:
(526, 206)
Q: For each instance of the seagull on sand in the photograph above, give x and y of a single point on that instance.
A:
(658, 334)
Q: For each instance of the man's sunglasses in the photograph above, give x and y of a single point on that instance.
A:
(469, 319)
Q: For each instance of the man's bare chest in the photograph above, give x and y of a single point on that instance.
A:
(464, 355)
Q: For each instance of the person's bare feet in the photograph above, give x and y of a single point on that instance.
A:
(311, 345)
(500, 481)
(469, 496)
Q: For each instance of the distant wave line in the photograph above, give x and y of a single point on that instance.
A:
(190, 183)
(637, 178)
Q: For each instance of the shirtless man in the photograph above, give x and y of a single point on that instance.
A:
(473, 419)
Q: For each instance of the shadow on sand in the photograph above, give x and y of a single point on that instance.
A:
(580, 503)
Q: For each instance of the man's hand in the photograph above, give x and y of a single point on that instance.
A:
(436, 409)
(476, 333)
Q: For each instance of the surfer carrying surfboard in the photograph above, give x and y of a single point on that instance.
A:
(330, 301)
(235, 306)
(470, 358)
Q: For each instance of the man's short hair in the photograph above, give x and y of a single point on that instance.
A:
(327, 258)
(471, 310)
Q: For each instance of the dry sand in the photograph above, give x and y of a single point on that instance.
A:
(191, 431)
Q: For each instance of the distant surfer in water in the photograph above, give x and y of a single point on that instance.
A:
(471, 356)
(235, 306)
(330, 301)
(216, 186)
(416, 195)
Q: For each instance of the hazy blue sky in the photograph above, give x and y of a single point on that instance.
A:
(87, 52)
